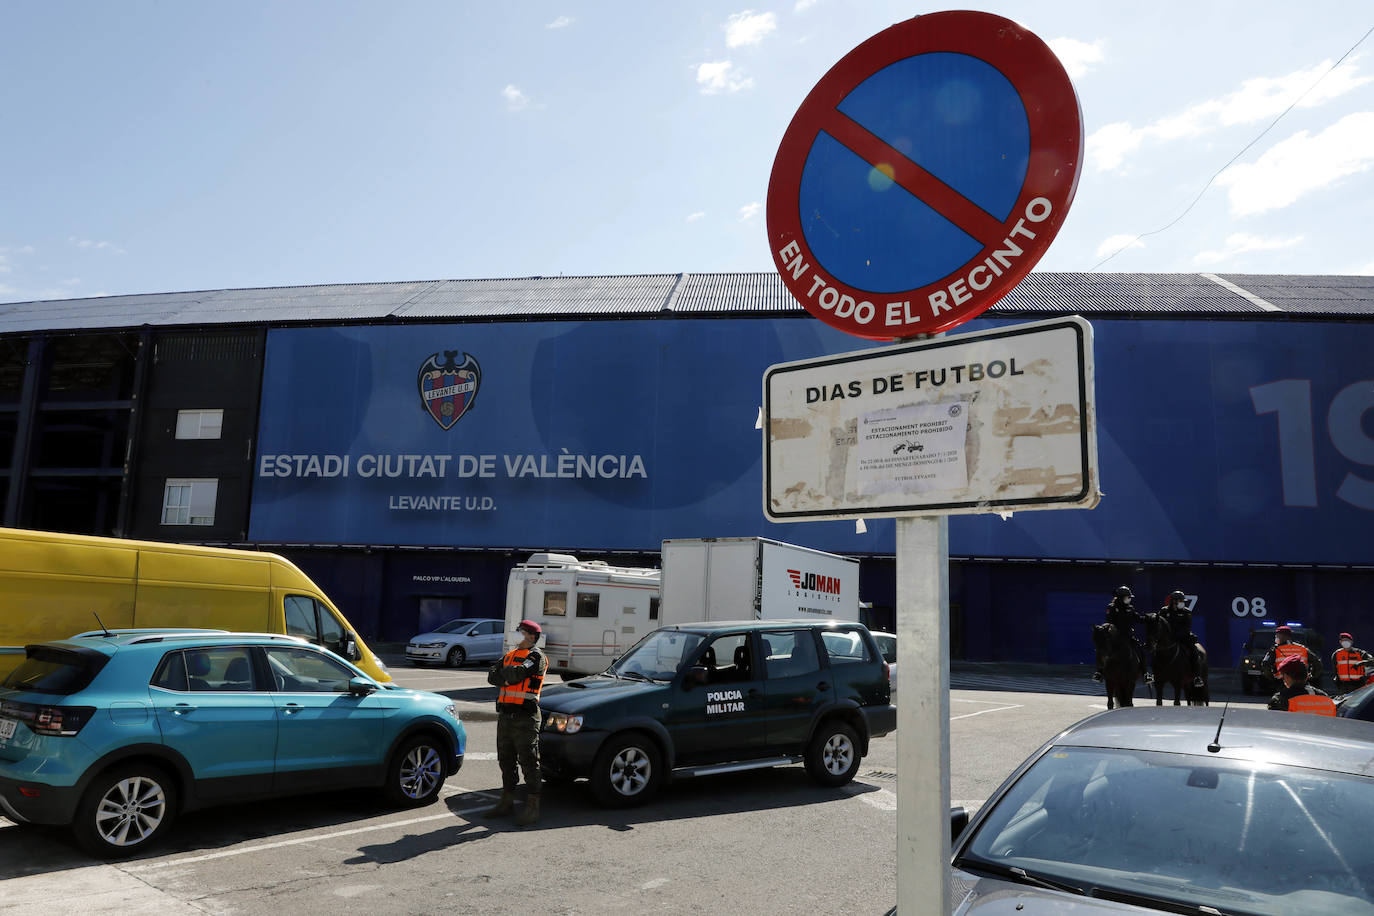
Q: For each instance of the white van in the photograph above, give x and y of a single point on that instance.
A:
(591, 612)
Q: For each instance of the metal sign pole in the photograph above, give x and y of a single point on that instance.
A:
(923, 715)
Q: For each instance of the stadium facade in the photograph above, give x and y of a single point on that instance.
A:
(407, 443)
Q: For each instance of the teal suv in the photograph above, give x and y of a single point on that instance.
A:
(116, 733)
(708, 698)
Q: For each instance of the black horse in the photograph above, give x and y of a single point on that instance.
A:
(1119, 664)
(1174, 665)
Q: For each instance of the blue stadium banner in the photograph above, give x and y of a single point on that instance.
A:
(1219, 441)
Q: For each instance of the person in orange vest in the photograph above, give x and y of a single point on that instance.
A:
(1296, 695)
(1284, 649)
(1351, 665)
(519, 676)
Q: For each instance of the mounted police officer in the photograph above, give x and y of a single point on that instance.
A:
(519, 675)
(1122, 615)
(1179, 618)
(1351, 665)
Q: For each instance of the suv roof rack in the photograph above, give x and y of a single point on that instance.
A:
(161, 634)
(135, 631)
(215, 635)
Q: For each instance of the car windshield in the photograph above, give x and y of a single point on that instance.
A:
(1356, 704)
(1239, 836)
(456, 627)
(659, 656)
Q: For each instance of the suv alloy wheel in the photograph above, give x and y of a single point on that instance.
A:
(125, 810)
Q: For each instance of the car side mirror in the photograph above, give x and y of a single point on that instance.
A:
(958, 820)
(361, 687)
(350, 648)
(696, 676)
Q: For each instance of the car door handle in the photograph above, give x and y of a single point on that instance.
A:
(182, 709)
(290, 709)
(753, 692)
(823, 685)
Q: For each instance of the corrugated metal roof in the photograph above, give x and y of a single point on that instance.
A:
(542, 296)
(642, 295)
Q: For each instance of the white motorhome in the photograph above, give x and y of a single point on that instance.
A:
(755, 578)
(591, 612)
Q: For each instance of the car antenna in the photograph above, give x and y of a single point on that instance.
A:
(1215, 746)
(102, 625)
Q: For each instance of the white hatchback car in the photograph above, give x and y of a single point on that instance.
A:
(457, 642)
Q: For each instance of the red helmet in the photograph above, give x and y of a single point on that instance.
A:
(1294, 667)
(1347, 636)
(530, 627)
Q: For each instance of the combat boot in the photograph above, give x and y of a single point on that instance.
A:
(505, 805)
(530, 813)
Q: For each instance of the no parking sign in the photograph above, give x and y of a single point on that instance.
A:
(924, 175)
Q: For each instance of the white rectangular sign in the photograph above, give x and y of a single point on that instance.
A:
(985, 422)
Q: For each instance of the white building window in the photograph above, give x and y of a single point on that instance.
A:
(199, 424)
(189, 501)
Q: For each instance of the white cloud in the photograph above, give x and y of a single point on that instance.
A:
(803, 5)
(721, 76)
(98, 246)
(693, 217)
(1078, 57)
(1301, 164)
(1258, 99)
(515, 99)
(562, 22)
(749, 211)
(1109, 145)
(1113, 244)
(748, 28)
(1243, 243)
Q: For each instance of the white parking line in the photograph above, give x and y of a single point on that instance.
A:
(969, 715)
(315, 838)
(882, 799)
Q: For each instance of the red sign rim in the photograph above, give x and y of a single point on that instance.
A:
(1056, 144)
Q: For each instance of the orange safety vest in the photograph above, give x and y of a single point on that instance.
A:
(521, 692)
(1286, 651)
(1317, 705)
(1349, 665)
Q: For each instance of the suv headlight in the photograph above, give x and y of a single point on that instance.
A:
(558, 722)
(431, 645)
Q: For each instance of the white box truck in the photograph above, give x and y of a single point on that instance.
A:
(755, 578)
(591, 612)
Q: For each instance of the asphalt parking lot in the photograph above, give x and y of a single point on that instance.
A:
(769, 841)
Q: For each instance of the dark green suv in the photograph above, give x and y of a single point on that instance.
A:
(697, 699)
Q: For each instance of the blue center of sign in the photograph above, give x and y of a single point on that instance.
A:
(955, 116)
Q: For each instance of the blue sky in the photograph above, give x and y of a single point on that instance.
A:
(163, 146)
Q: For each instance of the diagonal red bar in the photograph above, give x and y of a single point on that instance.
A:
(940, 197)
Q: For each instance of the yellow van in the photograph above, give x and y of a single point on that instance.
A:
(55, 585)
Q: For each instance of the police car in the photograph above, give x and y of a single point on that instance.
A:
(697, 699)
(1261, 640)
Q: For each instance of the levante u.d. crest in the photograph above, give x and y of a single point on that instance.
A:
(449, 388)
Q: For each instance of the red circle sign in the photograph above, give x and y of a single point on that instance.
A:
(924, 175)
